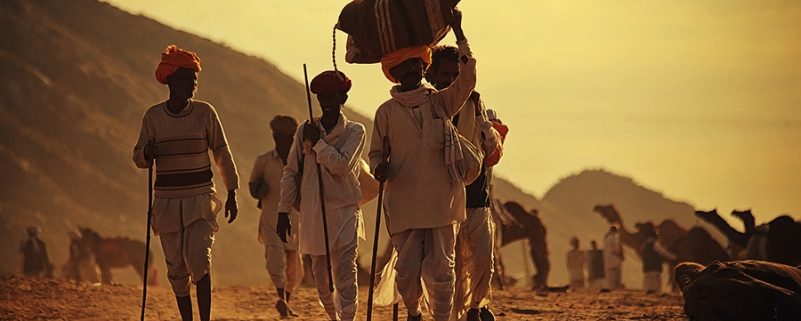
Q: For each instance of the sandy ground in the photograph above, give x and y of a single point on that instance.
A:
(53, 299)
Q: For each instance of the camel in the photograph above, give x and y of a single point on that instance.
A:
(737, 240)
(749, 222)
(669, 230)
(776, 241)
(81, 264)
(784, 237)
(694, 245)
(519, 224)
(740, 290)
(697, 246)
(117, 252)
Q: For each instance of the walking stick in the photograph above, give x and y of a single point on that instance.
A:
(371, 290)
(147, 238)
(322, 195)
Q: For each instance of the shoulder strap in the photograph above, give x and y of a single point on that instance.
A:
(475, 97)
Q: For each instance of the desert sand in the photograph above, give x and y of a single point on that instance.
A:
(58, 299)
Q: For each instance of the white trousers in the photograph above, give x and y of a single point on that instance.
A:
(475, 262)
(188, 254)
(340, 305)
(428, 254)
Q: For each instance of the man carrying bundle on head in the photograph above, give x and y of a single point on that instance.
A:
(474, 241)
(336, 143)
(425, 191)
(282, 259)
(177, 134)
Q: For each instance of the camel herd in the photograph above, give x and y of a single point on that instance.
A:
(776, 241)
(756, 277)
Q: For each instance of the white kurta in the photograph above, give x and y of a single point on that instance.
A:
(419, 192)
(269, 168)
(338, 154)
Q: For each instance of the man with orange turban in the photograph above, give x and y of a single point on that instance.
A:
(424, 202)
(177, 134)
(336, 144)
(174, 58)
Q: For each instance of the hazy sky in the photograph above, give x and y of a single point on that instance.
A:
(700, 100)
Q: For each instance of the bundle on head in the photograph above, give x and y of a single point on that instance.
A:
(378, 27)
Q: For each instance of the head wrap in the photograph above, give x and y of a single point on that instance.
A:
(574, 241)
(329, 82)
(284, 125)
(392, 59)
(173, 58)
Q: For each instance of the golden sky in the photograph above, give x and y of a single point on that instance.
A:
(700, 100)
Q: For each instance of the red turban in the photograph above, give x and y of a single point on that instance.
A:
(329, 82)
(392, 59)
(173, 58)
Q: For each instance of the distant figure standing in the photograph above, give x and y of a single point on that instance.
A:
(613, 258)
(595, 267)
(576, 261)
(653, 257)
(35, 261)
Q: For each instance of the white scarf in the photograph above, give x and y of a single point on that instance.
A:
(452, 148)
(412, 98)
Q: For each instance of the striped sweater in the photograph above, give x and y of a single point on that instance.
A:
(183, 141)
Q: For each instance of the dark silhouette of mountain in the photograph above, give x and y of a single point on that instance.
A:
(76, 78)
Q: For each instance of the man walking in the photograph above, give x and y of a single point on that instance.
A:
(281, 258)
(178, 134)
(336, 144)
(425, 196)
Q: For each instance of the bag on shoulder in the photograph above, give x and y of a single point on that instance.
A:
(472, 157)
(469, 166)
(367, 182)
(258, 188)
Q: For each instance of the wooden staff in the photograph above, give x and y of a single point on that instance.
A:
(147, 238)
(371, 290)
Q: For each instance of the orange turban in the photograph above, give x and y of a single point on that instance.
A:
(173, 58)
(396, 57)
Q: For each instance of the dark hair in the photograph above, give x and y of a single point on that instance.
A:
(443, 52)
